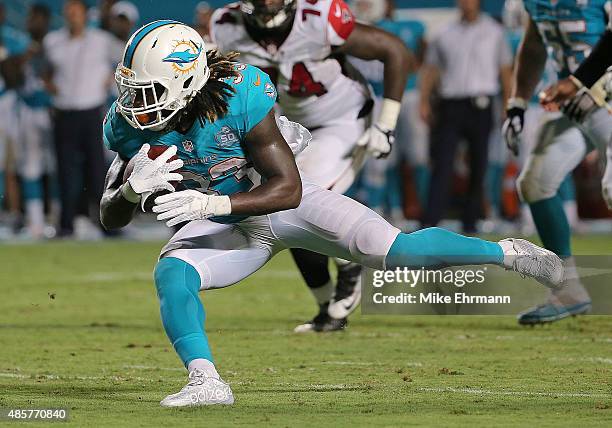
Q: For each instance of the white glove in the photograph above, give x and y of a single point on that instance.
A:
(377, 141)
(188, 205)
(151, 175)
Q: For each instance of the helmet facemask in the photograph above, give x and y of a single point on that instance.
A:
(261, 15)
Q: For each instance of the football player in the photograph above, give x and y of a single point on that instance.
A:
(241, 199)
(301, 45)
(382, 178)
(569, 29)
(585, 76)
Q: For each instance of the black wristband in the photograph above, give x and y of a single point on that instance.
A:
(596, 64)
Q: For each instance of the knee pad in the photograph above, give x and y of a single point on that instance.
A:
(372, 242)
(532, 189)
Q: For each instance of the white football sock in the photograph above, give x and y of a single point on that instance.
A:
(323, 294)
(206, 366)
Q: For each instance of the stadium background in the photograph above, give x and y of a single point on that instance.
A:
(154, 9)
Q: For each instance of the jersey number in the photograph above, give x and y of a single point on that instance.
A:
(302, 83)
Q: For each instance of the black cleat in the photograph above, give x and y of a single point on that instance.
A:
(348, 291)
(322, 322)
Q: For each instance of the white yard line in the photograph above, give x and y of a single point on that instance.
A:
(514, 393)
(141, 367)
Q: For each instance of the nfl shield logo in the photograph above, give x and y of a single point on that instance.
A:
(188, 145)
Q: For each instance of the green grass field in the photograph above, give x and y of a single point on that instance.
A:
(79, 328)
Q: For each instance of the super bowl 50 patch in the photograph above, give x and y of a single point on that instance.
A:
(226, 137)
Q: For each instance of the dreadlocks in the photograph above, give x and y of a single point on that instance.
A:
(211, 102)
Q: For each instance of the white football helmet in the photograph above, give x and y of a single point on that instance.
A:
(163, 67)
(369, 11)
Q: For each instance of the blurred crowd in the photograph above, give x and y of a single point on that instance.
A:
(449, 160)
(55, 88)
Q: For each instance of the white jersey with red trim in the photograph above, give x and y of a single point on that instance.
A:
(312, 87)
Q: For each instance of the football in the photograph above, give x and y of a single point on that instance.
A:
(154, 152)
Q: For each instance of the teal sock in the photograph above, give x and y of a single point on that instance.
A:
(32, 189)
(1, 188)
(421, 178)
(494, 183)
(567, 190)
(182, 313)
(436, 248)
(553, 227)
(394, 189)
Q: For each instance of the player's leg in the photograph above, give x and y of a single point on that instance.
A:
(443, 148)
(31, 162)
(203, 255)
(559, 149)
(326, 162)
(478, 138)
(333, 224)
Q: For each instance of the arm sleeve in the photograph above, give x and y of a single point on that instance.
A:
(340, 23)
(596, 64)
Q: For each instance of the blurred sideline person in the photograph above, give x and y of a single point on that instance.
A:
(35, 149)
(240, 196)
(123, 18)
(302, 44)
(382, 178)
(562, 143)
(80, 61)
(13, 43)
(202, 17)
(470, 58)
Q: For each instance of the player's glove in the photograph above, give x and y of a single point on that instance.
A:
(378, 139)
(188, 205)
(514, 124)
(294, 134)
(151, 175)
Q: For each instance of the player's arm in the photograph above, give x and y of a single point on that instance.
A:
(586, 75)
(429, 77)
(273, 159)
(116, 211)
(281, 188)
(370, 43)
(530, 63)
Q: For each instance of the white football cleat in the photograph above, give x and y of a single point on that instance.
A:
(201, 390)
(530, 260)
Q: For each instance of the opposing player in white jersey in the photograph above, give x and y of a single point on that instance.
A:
(568, 30)
(301, 45)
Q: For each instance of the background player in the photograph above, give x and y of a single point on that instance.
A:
(382, 179)
(245, 200)
(301, 44)
(569, 30)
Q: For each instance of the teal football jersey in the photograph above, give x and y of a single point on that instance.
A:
(570, 28)
(412, 33)
(216, 160)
